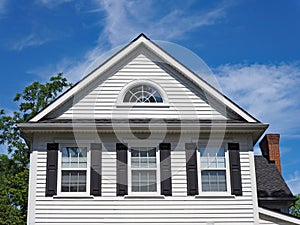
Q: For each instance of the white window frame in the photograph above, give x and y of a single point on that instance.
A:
(134, 83)
(60, 169)
(227, 172)
(130, 192)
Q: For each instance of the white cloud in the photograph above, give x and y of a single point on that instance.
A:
(269, 92)
(30, 41)
(75, 70)
(52, 3)
(293, 182)
(125, 19)
(3, 4)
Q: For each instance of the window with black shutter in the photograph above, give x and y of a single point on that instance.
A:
(235, 169)
(96, 163)
(51, 173)
(122, 178)
(191, 168)
(165, 169)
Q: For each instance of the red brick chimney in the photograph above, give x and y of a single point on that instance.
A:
(269, 146)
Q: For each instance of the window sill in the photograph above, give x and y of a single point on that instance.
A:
(214, 195)
(144, 196)
(73, 197)
(145, 105)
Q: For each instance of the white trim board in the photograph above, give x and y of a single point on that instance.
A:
(278, 216)
(143, 41)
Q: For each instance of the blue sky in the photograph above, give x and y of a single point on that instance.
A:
(251, 46)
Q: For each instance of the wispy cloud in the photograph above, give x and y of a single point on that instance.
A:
(3, 4)
(293, 182)
(30, 41)
(74, 70)
(269, 92)
(52, 3)
(124, 19)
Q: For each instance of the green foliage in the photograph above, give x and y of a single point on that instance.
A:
(295, 209)
(14, 168)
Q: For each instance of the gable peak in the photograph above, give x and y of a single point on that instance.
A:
(141, 36)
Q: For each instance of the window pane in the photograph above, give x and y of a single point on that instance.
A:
(212, 157)
(143, 158)
(212, 162)
(73, 181)
(210, 151)
(152, 152)
(143, 181)
(214, 180)
(142, 94)
(74, 157)
(134, 153)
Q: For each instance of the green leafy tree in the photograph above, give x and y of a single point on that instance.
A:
(295, 209)
(14, 166)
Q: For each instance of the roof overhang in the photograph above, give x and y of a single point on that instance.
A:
(212, 127)
(279, 216)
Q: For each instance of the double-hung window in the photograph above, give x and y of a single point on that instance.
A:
(143, 171)
(73, 170)
(213, 171)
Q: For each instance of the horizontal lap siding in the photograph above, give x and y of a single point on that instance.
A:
(118, 210)
(177, 209)
(179, 182)
(109, 173)
(101, 101)
(41, 174)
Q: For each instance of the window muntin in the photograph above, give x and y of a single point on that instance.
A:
(143, 170)
(73, 181)
(73, 169)
(143, 94)
(213, 169)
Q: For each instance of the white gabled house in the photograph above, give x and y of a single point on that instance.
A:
(143, 140)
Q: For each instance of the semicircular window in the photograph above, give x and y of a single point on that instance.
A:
(143, 94)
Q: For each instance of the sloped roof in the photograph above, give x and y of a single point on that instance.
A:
(143, 41)
(270, 183)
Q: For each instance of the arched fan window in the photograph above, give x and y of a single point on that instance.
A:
(143, 94)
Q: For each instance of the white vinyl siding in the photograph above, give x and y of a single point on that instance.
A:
(101, 101)
(109, 209)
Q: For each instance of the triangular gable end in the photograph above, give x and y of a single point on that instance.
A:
(165, 57)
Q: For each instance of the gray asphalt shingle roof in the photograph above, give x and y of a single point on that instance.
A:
(270, 183)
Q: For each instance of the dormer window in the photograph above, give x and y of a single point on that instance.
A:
(143, 94)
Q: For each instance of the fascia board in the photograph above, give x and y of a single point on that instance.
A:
(192, 127)
(279, 216)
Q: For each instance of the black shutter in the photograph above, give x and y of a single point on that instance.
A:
(235, 168)
(191, 168)
(96, 162)
(122, 187)
(51, 173)
(165, 169)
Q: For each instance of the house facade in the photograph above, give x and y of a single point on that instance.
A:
(143, 140)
